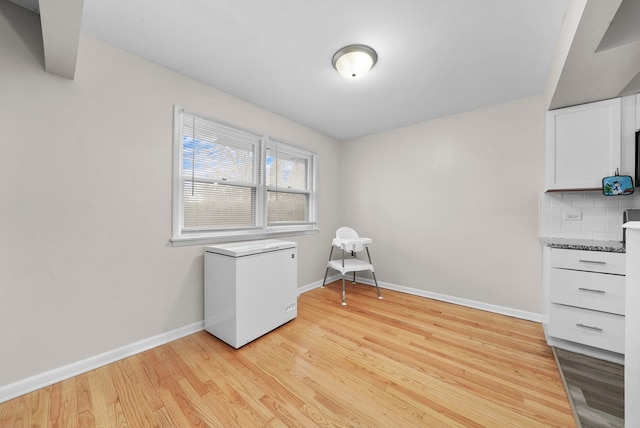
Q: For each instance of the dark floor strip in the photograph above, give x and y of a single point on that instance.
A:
(595, 388)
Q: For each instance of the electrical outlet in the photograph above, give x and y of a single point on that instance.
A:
(573, 216)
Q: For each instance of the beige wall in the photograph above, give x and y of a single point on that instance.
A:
(85, 181)
(452, 204)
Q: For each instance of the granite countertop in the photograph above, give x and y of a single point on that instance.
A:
(584, 244)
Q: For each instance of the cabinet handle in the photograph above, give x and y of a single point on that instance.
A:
(588, 327)
(593, 262)
(591, 290)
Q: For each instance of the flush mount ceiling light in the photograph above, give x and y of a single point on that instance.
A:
(354, 61)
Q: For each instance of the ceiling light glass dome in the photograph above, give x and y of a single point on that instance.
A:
(354, 61)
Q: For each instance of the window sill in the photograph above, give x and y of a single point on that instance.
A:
(235, 236)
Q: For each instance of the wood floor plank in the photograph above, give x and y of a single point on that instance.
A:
(69, 405)
(137, 410)
(8, 411)
(84, 400)
(23, 413)
(55, 404)
(171, 414)
(39, 406)
(404, 361)
(174, 397)
(106, 405)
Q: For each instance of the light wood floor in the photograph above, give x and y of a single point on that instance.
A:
(404, 361)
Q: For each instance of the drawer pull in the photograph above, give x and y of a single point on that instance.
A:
(588, 327)
(591, 290)
(592, 262)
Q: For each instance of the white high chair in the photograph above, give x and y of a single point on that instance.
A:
(348, 240)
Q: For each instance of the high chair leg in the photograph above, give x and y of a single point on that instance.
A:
(325, 276)
(344, 293)
(327, 271)
(377, 288)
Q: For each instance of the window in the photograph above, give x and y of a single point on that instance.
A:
(232, 184)
(287, 182)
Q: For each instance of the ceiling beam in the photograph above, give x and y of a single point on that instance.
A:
(590, 75)
(61, 22)
(570, 24)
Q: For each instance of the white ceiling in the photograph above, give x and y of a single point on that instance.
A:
(436, 57)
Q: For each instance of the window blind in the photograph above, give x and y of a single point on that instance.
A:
(287, 181)
(220, 175)
(286, 170)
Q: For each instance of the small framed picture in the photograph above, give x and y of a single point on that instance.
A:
(617, 185)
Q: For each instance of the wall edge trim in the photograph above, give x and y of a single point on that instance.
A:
(41, 380)
(502, 310)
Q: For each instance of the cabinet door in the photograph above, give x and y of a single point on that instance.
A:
(583, 145)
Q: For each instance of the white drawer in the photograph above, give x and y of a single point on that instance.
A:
(598, 329)
(600, 291)
(592, 261)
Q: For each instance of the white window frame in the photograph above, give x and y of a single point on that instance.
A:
(285, 148)
(182, 236)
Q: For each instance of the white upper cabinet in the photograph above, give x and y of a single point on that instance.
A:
(583, 145)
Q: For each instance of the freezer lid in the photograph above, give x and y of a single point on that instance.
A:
(247, 248)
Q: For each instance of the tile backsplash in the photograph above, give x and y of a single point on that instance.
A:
(584, 215)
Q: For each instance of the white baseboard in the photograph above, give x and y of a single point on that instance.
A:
(24, 386)
(317, 284)
(516, 313)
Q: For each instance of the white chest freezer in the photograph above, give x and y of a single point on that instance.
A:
(250, 288)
